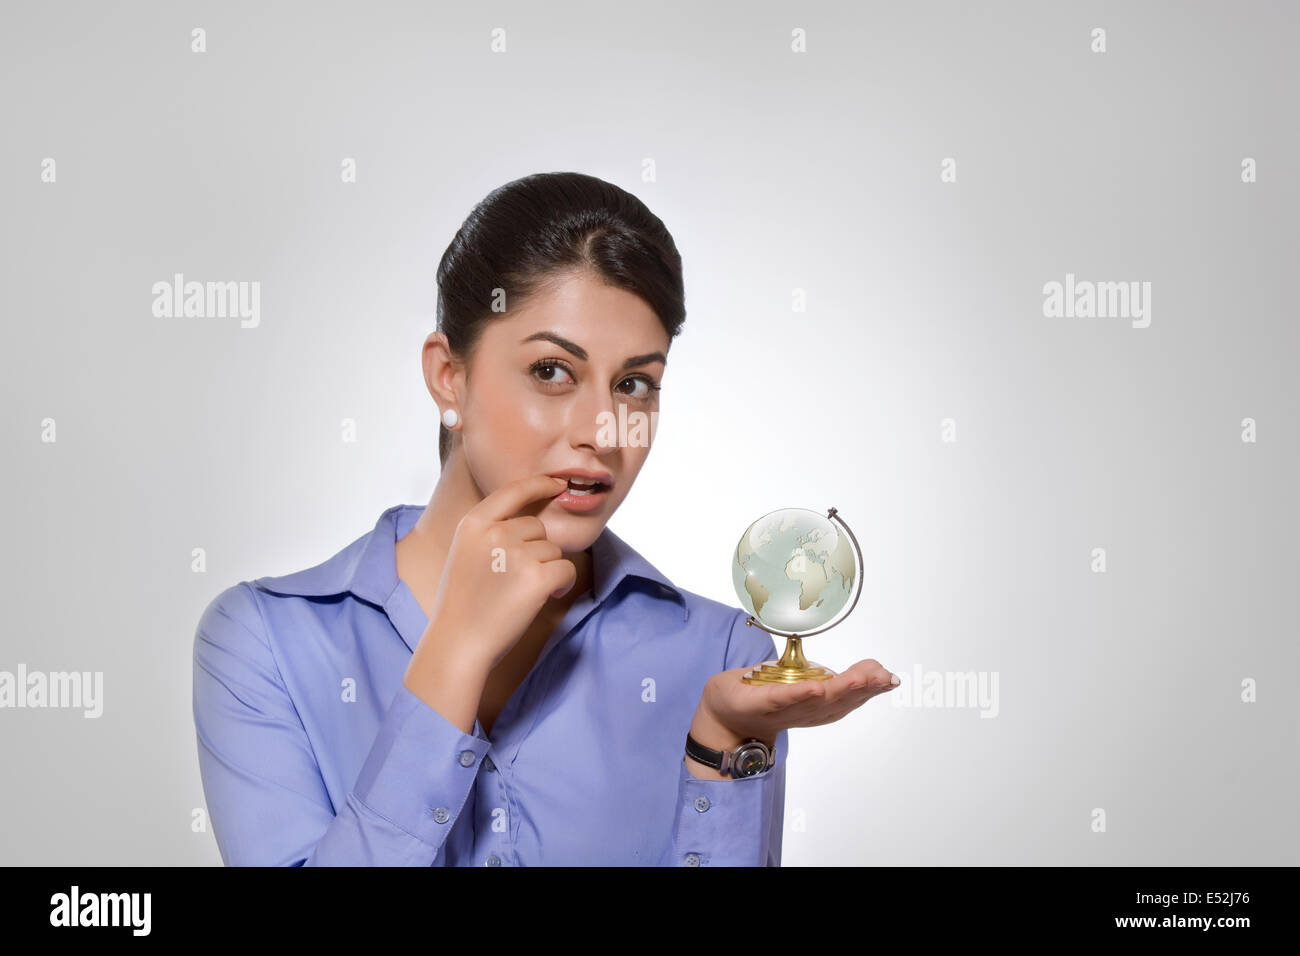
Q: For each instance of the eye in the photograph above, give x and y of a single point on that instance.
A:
(648, 392)
(549, 365)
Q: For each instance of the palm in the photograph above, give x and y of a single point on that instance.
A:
(762, 710)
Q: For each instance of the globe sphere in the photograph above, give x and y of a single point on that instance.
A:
(794, 570)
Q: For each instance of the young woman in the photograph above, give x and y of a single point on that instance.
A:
(496, 678)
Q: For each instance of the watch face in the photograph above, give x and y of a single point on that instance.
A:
(751, 760)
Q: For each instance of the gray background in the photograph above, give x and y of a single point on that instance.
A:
(775, 171)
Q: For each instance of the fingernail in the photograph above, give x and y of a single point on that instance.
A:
(893, 679)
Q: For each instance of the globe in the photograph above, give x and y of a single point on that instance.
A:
(794, 570)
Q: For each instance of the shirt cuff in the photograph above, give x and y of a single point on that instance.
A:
(724, 822)
(420, 769)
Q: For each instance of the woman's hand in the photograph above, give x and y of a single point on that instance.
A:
(732, 711)
(499, 572)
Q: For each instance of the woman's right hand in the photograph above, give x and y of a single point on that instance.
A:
(500, 571)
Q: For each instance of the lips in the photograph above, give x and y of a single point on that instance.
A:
(579, 501)
(604, 481)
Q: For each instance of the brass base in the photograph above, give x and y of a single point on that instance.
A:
(792, 668)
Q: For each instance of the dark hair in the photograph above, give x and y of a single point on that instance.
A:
(538, 228)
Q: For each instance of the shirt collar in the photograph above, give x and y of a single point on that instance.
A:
(367, 567)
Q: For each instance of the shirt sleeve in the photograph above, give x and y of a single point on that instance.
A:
(732, 822)
(265, 795)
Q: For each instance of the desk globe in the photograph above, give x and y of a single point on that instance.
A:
(797, 573)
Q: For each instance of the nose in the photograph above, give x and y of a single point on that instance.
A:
(594, 422)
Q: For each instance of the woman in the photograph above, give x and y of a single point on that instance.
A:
(496, 678)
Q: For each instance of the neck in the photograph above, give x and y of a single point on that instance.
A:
(422, 553)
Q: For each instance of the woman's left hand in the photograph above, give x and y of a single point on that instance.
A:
(731, 711)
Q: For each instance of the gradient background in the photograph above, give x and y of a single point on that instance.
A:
(775, 171)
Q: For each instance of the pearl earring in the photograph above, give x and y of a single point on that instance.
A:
(450, 418)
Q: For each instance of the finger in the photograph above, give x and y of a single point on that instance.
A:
(871, 673)
(540, 551)
(859, 683)
(508, 500)
(525, 528)
(560, 574)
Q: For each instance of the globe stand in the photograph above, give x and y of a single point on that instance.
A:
(793, 667)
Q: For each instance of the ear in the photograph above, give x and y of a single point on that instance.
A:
(444, 375)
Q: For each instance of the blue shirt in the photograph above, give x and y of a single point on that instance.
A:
(312, 750)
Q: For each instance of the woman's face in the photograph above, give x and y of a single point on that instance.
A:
(568, 380)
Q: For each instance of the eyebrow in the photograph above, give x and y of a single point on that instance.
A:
(580, 352)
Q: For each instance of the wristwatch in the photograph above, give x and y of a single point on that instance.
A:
(748, 760)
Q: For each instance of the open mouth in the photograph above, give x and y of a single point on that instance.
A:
(581, 488)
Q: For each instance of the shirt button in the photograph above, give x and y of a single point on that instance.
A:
(692, 859)
(701, 803)
(487, 763)
(493, 860)
(467, 758)
(441, 815)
